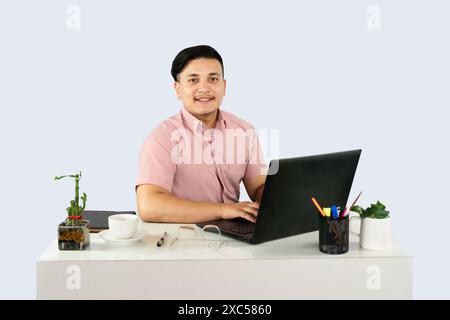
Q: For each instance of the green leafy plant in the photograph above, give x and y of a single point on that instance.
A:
(75, 211)
(376, 211)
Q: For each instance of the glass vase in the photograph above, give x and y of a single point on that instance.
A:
(73, 235)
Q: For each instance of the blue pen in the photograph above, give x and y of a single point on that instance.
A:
(334, 212)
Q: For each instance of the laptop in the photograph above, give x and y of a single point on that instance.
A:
(286, 208)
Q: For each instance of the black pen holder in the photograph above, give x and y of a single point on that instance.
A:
(333, 235)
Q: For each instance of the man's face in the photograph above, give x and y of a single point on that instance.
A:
(201, 86)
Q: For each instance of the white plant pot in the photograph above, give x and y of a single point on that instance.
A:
(374, 234)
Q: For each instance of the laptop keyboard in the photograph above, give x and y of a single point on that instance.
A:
(241, 227)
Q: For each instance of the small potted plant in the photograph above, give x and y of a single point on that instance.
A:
(375, 227)
(73, 233)
(375, 211)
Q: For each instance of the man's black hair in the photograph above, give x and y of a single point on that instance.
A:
(191, 53)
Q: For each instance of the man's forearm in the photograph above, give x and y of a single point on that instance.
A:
(165, 207)
(259, 193)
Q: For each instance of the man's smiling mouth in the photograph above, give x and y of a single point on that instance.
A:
(204, 99)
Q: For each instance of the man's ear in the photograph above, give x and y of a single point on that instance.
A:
(176, 86)
(224, 86)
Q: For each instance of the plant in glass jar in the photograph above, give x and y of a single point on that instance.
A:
(73, 233)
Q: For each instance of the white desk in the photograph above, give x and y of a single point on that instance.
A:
(290, 268)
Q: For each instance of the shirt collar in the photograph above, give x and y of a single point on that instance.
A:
(221, 122)
(195, 124)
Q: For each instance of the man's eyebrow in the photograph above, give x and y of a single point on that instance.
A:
(196, 75)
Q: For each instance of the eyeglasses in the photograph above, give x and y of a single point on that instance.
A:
(188, 238)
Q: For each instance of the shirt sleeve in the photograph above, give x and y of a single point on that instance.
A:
(155, 161)
(256, 166)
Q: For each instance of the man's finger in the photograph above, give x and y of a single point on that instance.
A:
(254, 205)
(248, 217)
(250, 210)
(251, 204)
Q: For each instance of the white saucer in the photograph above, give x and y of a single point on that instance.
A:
(108, 237)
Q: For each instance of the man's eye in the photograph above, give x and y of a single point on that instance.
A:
(193, 80)
(214, 79)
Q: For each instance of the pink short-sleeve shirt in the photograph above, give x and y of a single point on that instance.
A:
(193, 162)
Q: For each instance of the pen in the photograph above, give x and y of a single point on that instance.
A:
(354, 202)
(163, 238)
(318, 206)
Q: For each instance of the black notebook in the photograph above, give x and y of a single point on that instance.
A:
(98, 219)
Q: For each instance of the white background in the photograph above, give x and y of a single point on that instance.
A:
(84, 99)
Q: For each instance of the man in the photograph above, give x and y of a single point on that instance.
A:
(188, 169)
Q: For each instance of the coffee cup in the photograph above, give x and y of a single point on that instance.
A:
(123, 226)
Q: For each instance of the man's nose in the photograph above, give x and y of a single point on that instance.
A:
(203, 86)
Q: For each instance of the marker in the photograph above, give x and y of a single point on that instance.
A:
(327, 211)
(163, 238)
(334, 212)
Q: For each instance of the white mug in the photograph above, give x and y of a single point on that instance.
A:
(374, 234)
(123, 226)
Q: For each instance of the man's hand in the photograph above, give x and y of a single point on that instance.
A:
(247, 210)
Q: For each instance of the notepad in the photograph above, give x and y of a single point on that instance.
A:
(98, 219)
